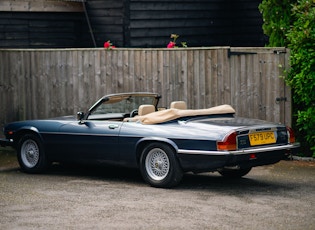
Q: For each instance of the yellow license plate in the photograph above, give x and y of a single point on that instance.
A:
(262, 138)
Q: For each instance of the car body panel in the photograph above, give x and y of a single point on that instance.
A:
(106, 137)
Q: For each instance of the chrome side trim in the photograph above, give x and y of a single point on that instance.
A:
(239, 152)
(200, 152)
(78, 134)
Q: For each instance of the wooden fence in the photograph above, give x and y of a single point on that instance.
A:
(45, 83)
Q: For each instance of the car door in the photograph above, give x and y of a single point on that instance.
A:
(90, 140)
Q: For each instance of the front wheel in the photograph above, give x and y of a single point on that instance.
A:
(234, 172)
(31, 155)
(159, 166)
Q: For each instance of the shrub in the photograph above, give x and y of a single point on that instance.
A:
(277, 18)
(301, 77)
(290, 23)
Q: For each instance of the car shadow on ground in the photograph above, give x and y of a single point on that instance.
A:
(248, 185)
(205, 181)
(96, 172)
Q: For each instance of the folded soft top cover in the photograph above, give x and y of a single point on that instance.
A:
(171, 114)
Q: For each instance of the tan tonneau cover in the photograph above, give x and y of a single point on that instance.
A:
(171, 114)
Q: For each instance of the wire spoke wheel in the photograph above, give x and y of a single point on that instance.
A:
(157, 164)
(30, 153)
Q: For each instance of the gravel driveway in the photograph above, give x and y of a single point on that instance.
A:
(280, 196)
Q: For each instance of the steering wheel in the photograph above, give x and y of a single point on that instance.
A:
(134, 113)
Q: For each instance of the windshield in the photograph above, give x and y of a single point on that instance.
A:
(123, 104)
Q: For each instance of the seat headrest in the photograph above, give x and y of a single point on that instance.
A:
(145, 109)
(178, 105)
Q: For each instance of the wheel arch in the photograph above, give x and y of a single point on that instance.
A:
(31, 151)
(26, 130)
(147, 140)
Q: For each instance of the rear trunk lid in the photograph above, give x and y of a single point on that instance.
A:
(247, 133)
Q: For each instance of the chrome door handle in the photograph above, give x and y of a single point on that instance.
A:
(113, 126)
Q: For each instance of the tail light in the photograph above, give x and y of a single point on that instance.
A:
(291, 136)
(228, 143)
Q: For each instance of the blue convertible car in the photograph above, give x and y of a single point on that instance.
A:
(129, 129)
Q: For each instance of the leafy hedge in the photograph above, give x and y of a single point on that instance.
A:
(294, 27)
(277, 16)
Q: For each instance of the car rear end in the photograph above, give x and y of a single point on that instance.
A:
(228, 141)
(261, 145)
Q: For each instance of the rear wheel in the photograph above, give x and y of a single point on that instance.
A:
(31, 155)
(234, 172)
(159, 166)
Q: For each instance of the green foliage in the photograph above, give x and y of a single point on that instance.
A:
(301, 77)
(291, 23)
(277, 18)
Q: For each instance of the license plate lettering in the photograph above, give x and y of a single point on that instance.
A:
(262, 138)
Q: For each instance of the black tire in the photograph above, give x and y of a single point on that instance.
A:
(31, 154)
(234, 173)
(159, 166)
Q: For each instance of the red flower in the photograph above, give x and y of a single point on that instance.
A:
(171, 45)
(107, 45)
(113, 47)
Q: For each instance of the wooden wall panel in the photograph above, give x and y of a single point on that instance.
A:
(54, 82)
(149, 23)
(41, 6)
(44, 30)
(130, 23)
(107, 19)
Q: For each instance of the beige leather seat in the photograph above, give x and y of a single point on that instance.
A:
(178, 105)
(145, 109)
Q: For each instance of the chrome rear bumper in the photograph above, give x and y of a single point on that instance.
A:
(242, 151)
(6, 142)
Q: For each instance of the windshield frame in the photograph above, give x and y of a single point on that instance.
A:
(123, 103)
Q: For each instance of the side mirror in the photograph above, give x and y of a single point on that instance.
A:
(80, 116)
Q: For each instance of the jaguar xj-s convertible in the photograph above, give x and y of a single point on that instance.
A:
(129, 129)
